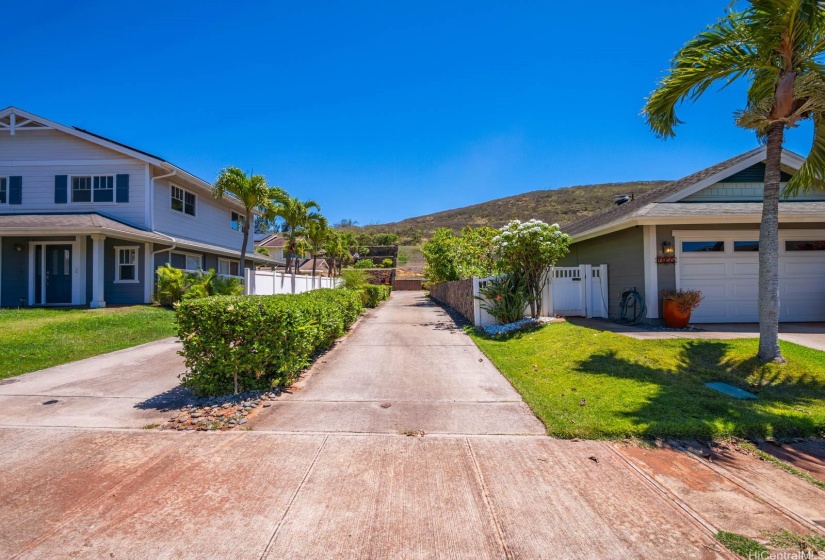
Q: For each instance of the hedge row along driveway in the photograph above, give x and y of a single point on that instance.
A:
(265, 340)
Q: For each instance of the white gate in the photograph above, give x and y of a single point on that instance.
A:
(572, 291)
(578, 291)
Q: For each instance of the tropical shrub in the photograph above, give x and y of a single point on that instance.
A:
(364, 263)
(353, 279)
(258, 342)
(457, 257)
(527, 251)
(170, 286)
(374, 294)
(505, 298)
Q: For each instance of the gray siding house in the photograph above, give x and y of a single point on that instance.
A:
(85, 220)
(702, 232)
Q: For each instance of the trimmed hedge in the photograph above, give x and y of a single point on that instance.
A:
(267, 340)
(375, 294)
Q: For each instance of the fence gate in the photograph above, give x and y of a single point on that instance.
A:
(571, 291)
(578, 291)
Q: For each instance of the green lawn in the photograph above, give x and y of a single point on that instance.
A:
(32, 339)
(655, 388)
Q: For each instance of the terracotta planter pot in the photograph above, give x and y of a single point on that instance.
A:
(673, 316)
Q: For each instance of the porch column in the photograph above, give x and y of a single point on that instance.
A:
(148, 273)
(98, 297)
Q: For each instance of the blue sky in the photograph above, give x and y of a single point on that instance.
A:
(379, 111)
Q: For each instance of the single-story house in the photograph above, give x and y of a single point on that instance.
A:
(85, 220)
(702, 232)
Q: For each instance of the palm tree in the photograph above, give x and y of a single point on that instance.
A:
(296, 215)
(777, 45)
(316, 236)
(252, 191)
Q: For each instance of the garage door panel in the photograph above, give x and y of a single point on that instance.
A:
(797, 268)
(746, 269)
(729, 283)
(701, 270)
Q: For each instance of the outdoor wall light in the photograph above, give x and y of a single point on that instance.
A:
(18, 247)
(668, 254)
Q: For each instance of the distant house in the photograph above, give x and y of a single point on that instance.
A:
(702, 232)
(274, 243)
(85, 220)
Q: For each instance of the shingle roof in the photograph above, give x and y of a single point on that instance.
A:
(675, 209)
(79, 223)
(633, 207)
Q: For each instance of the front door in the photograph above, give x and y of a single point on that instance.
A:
(58, 274)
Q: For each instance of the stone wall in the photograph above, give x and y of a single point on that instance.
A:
(457, 294)
(408, 284)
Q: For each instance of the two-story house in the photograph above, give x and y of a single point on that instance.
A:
(85, 220)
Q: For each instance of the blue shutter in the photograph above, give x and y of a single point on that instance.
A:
(122, 188)
(16, 190)
(61, 189)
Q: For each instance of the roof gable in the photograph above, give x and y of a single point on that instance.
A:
(680, 189)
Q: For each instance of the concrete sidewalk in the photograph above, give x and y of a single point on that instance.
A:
(811, 335)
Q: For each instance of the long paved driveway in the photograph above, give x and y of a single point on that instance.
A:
(328, 473)
(407, 367)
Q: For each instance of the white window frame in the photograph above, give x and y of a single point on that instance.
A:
(118, 264)
(186, 257)
(240, 217)
(6, 179)
(91, 176)
(183, 211)
(230, 262)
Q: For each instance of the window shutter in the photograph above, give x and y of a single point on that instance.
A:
(122, 188)
(61, 189)
(16, 190)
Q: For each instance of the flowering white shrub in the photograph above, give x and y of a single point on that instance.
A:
(527, 250)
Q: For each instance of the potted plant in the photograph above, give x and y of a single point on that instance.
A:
(678, 305)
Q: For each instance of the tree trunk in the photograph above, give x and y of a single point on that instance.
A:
(769, 250)
(247, 219)
(314, 262)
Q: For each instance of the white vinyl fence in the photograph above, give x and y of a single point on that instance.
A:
(266, 283)
(572, 291)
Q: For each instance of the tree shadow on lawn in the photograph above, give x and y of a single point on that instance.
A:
(682, 406)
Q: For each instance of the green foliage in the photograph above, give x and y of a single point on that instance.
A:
(171, 285)
(386, 263)
(385, 239)
(403, 258)
(456, 257)
(527, 250)
(655, 388)
(374, 294)
(364, 263)
(505, 298)
(257, 342)
(175, 285)
(813, 545)
(354, 279)
(741, 545)
(297, 216)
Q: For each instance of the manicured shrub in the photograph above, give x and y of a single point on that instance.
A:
(237, 343)
(364, 263)
(375, 294)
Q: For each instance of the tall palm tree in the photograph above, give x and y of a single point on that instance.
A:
(317, 233)
(778, 46)
(252, 191)
(296, 215)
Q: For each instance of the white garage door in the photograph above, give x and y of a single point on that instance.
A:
(725, 267)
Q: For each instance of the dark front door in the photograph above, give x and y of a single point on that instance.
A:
(59, 274)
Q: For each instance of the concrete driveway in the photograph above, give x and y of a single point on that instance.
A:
(328, 472)
(811, 335)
